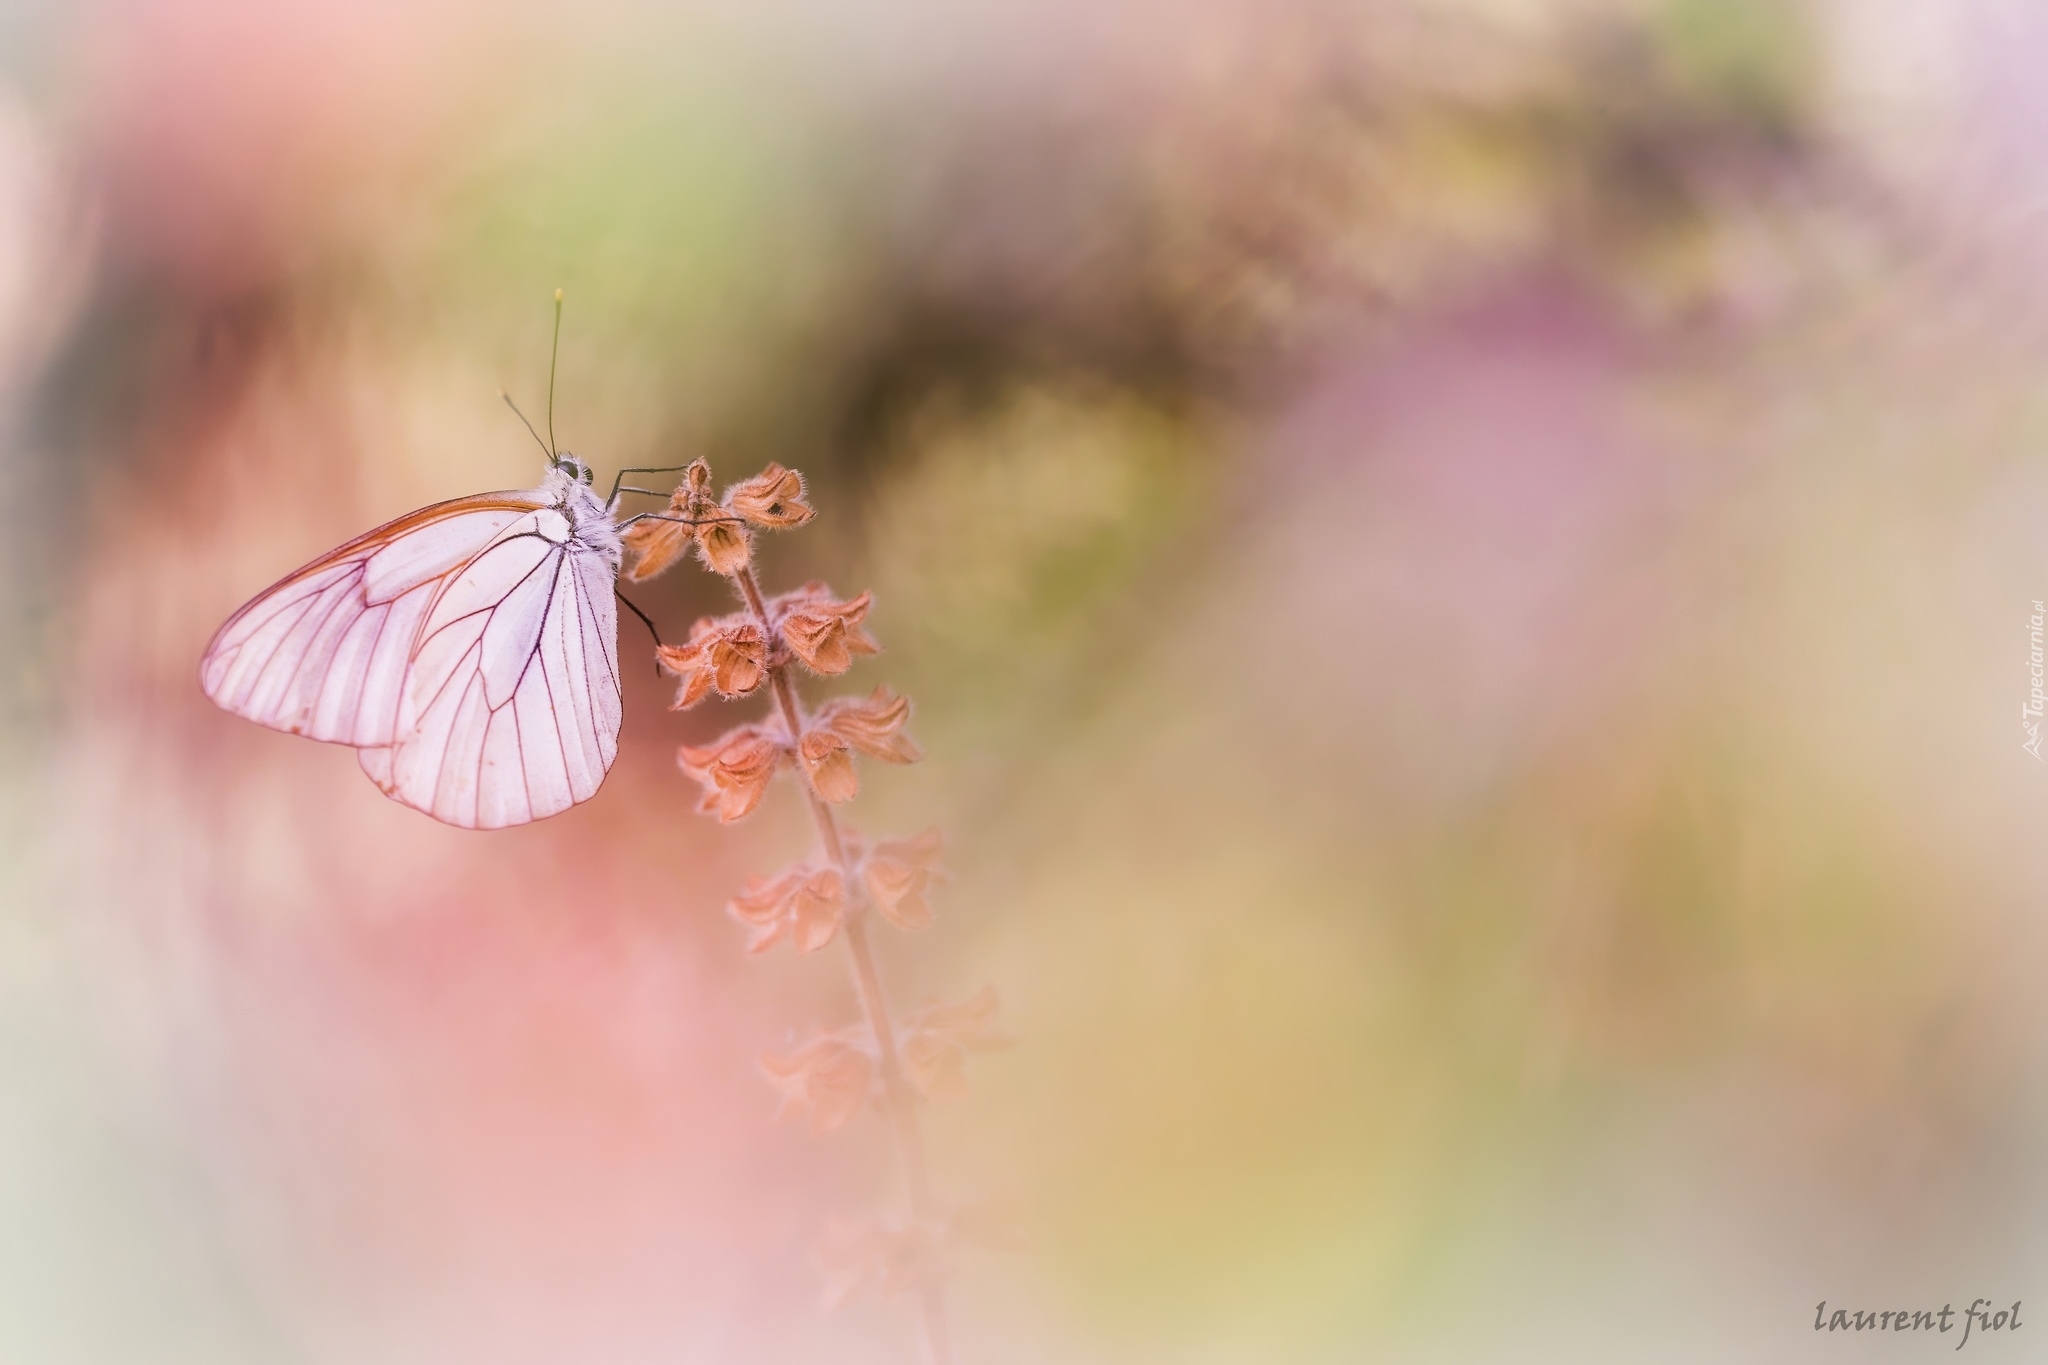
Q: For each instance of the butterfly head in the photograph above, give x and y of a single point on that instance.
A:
(574, 468)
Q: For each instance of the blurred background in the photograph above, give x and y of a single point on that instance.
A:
(1465, 567)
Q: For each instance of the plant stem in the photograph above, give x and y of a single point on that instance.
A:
(897, 1099)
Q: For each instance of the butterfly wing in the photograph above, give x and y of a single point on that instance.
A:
(324, 652)
(469, 652)
(511, 704)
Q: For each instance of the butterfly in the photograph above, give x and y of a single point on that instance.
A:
(468, 651)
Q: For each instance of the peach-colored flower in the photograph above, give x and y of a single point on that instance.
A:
(653, 545)
(872, 724)
(937, 1039)
(886, 1257)
(891, 1256)
(723, 544)
(805, 905)
(728, 655)
(739, 659)
(897, 874)
(830, 765)
(773, 499)
(832, 1076)
(735, 770)
(824, 633)
(691, 662)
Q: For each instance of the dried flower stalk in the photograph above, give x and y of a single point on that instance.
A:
(836, 1074)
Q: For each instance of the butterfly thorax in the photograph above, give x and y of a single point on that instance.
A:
(588, 523)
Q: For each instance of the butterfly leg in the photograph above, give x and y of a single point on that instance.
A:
(641, 469)
(643, 621)
(664, 516)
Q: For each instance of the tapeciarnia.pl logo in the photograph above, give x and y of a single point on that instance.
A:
(2037, 700)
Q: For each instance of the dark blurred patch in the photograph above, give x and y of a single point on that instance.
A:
(130, 390)
(1203, 254)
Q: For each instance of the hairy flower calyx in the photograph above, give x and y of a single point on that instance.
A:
(890, 1257)
(935, 1042)
(872, 725)
(729, 655)
(805, 905)
(720, 530)
(734, 769)
(897, 873)
(824, 634)
(832, 1076)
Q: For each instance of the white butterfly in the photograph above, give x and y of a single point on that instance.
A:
(469, 652)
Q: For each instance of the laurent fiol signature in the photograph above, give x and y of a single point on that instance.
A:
(2037, 700)
(1978, 1316)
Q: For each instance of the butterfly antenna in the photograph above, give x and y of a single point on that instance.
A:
(554, 354)
(529, 426)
